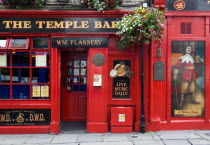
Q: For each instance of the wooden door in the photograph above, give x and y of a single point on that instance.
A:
(74, 86)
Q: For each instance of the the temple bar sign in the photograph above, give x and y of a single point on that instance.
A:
(79, 42)
(56, 25)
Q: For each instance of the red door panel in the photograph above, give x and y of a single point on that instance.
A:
(74, 96)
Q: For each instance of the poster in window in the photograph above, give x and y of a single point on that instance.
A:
(3, 59)
(83, 63)
(36, 91)
(76, 72)
(41, 59)
(187, 78)
(83, 71)
(45, 91)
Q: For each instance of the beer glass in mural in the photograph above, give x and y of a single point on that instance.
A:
(187, 78)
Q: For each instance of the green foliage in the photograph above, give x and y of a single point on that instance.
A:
(101, 5)
(18, 4)
(141, 26)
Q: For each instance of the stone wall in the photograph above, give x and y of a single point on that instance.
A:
(70, 5)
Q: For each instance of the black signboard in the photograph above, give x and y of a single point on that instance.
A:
(159, 71)
(79, 42)
(57, 25)
(188, 5)
(121, 84)
(24, 117)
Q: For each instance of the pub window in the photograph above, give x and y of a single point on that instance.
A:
(24, 73)
(3, 43)
(121, 82)
(186, 28)
(40, 43)
(18, 43)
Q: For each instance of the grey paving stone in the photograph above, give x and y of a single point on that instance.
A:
(199, 141)
(176, 142)
(148, 142)
(90, 138)
(183, 134)
(141, 136)
(40, 139)
(203, 134)
(155, 136)
(65, 138)
(108, 143)
(14, 139)
(1, 138)
(62, 144)
(115, 137)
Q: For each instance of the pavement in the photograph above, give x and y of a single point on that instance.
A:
(80, 137)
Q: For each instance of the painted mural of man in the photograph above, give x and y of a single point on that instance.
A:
(185, 69)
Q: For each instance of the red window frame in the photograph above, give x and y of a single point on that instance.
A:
(26, 47)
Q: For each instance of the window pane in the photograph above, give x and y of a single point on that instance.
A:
(41, 59)
(3, 42)
(4, 75)
(21, 75)
(40, 43)
(40, 75)
(20, 59)
(4, 59)
(83, 88)
(18, 42)
(21, 92)
(4, 91)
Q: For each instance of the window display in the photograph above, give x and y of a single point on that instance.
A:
(24, 74)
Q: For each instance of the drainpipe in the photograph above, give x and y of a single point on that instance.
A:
(142, 123)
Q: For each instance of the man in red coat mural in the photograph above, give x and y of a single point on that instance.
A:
(185, 69)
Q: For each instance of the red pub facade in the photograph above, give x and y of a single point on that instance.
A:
(61, 66)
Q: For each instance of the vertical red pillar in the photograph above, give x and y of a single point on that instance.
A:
(97, 96)
(55, 91)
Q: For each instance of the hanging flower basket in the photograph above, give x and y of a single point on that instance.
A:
(141, 26)
(19, 4)
(101, 5)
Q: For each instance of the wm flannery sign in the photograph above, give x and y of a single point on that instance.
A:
(56, 25)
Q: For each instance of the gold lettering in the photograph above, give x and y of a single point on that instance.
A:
(88, 42)
(58, 25)
(49, 24)
(58, 42)
(98, 24)
(75, 25)
(106, 24)
(2, 117)
(7, 24)
(62, 42)
(80, 43)
(36, 117)
(31, 117)
(114, 24)
(26, 24)
(40, 24)
(17, 24)
(84, 24)
(68, 24)
(84, 42)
